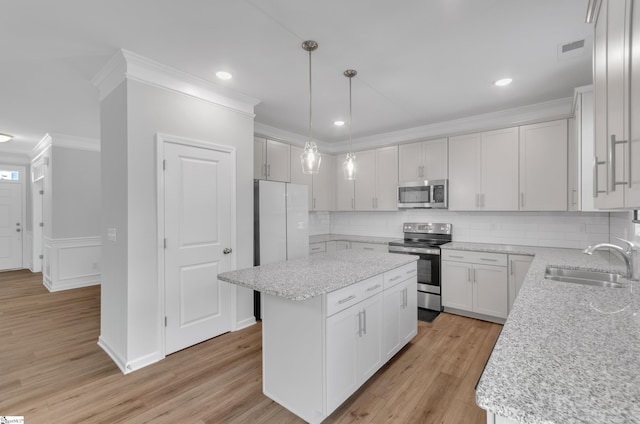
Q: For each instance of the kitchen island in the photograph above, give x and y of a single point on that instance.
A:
(329, 322)
(568, 353)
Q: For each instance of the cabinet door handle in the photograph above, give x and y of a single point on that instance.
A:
(411, 271)
(457, 257)
(522, 199)
(264, 172)
(364, 320)
(511, 267)
(353, 203)
(367, 248)
(469, 274)
(474, 275)
(488, 260)
(346, 299)
(313, 249)
(573, 196)
(597, 163)
(372, 288)
(612, 161)
(482, 200)
(360, 324)
(395, 278)
(477, 200)
(314, 203)
(269, 170)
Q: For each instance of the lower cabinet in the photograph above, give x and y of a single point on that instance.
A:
(374, 247)
(470, 284)
(352, 360)
(318, 352)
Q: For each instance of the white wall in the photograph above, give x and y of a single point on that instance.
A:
(131, 278)
(551, 229)
(76, 204)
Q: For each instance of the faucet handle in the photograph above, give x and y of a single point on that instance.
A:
(631, 246)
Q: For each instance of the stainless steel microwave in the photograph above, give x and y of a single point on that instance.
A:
(424, 194)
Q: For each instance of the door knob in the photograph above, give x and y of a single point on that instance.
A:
(227, 250)
(17, 230)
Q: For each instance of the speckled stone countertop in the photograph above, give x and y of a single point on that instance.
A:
(361, 239)
(304, 278)
(568, 353)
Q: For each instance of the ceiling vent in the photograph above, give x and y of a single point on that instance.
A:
(571, 49)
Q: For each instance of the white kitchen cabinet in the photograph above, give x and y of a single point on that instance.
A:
(475, 284)
(373, 247)
(271, 160)
(316, 248)
(400, 316)
(543, 166)
(299, 177)
(581, 152)
(424, 160)
(518, 268)
(617, 105)
(573, 163)
(344, 199)
(376, 180)
(483, 171)
(354, 352)
(330, 246)
(343, 245)
(322, 182)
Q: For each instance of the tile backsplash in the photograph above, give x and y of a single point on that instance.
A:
(550, 229)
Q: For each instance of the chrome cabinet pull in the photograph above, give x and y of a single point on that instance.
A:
(364, 320)
(612, 160)
(522, 199)
(474, 275)
(488, 260)
(269, 170)
(367, 248)
(511, 267)
(597, 163)
(457, 257)
(359, 324)
(482, 200)
(353, 203)
(377, 286)
(395, 278)
(346, 299)
(469, 274)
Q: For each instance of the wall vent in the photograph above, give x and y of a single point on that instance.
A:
(571, 49)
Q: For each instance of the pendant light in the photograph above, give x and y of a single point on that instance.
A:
(349, 165)
(310, 158)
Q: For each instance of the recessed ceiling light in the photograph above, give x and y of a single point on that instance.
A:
(338, 123)
(223, 75)
(5, 137)
(502, 82)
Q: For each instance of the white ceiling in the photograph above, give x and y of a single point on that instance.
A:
(419, 62)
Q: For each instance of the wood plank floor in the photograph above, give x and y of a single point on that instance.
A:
(52, 370)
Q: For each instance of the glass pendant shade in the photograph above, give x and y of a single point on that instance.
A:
(349, 167)
(310, 159)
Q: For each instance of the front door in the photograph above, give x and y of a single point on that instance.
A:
(10, 226)
(197, 195)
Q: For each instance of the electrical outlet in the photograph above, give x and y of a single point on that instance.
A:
(111, 234)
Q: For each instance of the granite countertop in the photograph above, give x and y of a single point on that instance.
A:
(304, 278)
(344, 237)
(568, 353)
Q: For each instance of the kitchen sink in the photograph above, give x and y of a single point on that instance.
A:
(587, 278)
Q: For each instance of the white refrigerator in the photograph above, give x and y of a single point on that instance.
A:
(281, 224)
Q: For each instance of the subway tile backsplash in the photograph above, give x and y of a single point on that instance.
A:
(550, 229)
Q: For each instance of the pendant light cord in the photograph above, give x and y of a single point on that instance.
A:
(350, 117)
(310, 97)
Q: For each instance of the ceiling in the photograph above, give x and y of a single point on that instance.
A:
(419, 62)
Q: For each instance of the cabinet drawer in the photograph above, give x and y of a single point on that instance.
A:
(348, 296)
(499, 259)
(374, 247)
(398, 275)
(317, 248)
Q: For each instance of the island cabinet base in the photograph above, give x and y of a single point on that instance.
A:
(318, 352)
(497, 419)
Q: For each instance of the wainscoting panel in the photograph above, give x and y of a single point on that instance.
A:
(71, 262)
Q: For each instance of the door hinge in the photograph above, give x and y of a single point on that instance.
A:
(165, 243)
(41, 191)
(165, 321)
(164, 164)
(42, 224)
(41, 257)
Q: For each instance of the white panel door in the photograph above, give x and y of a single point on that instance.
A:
(457, 289)
(410, 166)
(344, 189)
(464, 172)
(197, 229)
(436, 159)
(365, 182)
(370, 341)
(10, 226)
(499, 170)
(386, 177)
(343, 331)
(490, 295)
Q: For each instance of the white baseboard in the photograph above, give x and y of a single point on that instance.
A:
(247, 322)
(128, 366)
(120, 362)
(71, 263)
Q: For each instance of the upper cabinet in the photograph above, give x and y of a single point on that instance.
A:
(617, 105)
(320, 184)
(543, 166)
(344, 199)
(271, 160)
(376, 183)
(483, 171)
(425, 160)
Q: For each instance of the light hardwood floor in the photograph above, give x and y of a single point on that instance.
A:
(52, 370)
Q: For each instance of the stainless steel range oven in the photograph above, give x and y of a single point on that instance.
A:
(424, 240)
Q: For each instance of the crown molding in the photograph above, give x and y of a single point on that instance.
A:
(592, 11)
(273, 133)
(42, 145)
(128, 65)
(577, 92)
(539, 112)
(75, 142)
(14, 157)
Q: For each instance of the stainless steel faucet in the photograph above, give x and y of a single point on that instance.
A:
(627, 254)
